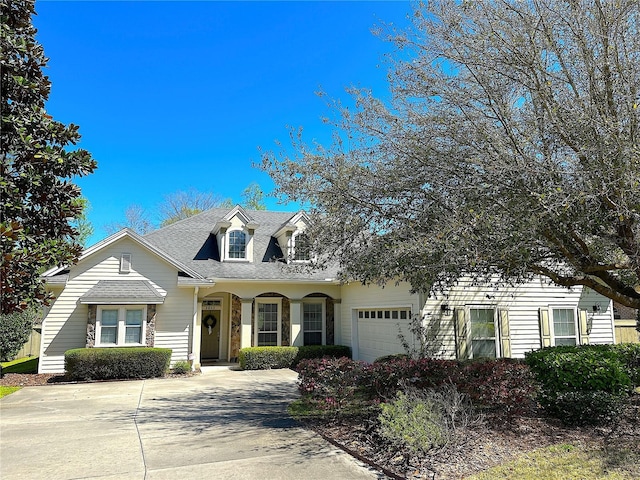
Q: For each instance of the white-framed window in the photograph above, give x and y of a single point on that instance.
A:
(268, 322)
(482, 330)
(118, 325)
(301, 247)
(314, 322)
(564, 320)
(237, 245)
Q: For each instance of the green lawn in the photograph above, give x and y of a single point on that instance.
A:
(4, 391)
(21, 365)
(568, 462)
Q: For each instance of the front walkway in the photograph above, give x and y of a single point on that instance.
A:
(223, 424)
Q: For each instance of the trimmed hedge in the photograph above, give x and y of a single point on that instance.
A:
(585, 384)
(265, 358)
(119, 362)
(321, 351)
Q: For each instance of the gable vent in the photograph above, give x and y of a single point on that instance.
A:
(125, 263)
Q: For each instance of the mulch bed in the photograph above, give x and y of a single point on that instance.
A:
(498, 439)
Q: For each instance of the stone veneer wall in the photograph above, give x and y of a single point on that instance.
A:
(236, 323)
(91, 326)
(151, 325)
(150, 330)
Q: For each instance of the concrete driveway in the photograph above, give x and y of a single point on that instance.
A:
(224, 424)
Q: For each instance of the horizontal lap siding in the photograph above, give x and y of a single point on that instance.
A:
(523, 303)
(65, 325)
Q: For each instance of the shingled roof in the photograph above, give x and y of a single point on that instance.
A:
(192, 243)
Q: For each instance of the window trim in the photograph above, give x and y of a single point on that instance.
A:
(294, 240)
(323, 302)
(121, 327)
(125, 263)
(576, 326)
(268, 300)
(228, 245)
(496, 329)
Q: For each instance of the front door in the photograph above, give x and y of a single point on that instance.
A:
(210, 348)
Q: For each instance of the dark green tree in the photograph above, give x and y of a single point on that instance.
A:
(37, 164)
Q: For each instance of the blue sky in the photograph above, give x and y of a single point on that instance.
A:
(177, 95)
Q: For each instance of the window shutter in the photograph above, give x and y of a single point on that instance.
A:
(462, 346)
(583, 324)
(545, 328)
(505, 334)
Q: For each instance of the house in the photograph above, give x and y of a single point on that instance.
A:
(226, 279)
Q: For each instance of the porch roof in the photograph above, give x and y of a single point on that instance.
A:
(123, 292)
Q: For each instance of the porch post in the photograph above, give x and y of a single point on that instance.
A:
(337, 321)
(295, 308)
(245, 322)
(194, 356)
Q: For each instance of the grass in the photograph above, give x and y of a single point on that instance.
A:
(568, 462)
(4, 391)
(21, 365)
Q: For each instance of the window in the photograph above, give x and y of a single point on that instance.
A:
(564, 326)
(237, 244)
(120, 325)
(313, 323)
(483, 332)
(301, 248)
(267, 322)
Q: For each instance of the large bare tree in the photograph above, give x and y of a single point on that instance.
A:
(510, 146)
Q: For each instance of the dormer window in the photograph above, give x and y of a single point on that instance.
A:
(301, 248)
(237, 244)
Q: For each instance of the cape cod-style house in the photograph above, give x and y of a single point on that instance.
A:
(225, 279)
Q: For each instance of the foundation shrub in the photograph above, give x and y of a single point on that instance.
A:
(331, 383)
(585, 384)
(116, 363)
(266, 358)
(321, 351)
(386, 376)
(181, 367)
(504, 384)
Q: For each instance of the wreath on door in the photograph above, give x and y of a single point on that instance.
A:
(210, 322)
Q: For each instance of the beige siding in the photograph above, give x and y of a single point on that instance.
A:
(523, 303)
(376, 337)
(65, 325)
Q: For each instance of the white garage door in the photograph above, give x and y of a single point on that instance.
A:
(378, 331)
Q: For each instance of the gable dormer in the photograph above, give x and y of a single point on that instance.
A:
(292, 239)
(234, 234)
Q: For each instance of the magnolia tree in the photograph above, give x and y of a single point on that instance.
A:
(510, 147)
(39, 203)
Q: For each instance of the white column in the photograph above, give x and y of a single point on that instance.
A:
(195, 331)
(295, 311)
(245, 329)
(337, 321)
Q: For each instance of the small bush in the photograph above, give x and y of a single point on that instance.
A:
(112, 363)
(15, 329)
(504, 384)
(582, 384)
(331, 383)
(321, 351)
(265, 358)
(181, 367)
(424, 419)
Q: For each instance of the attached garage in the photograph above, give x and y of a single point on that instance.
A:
(376, 332)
